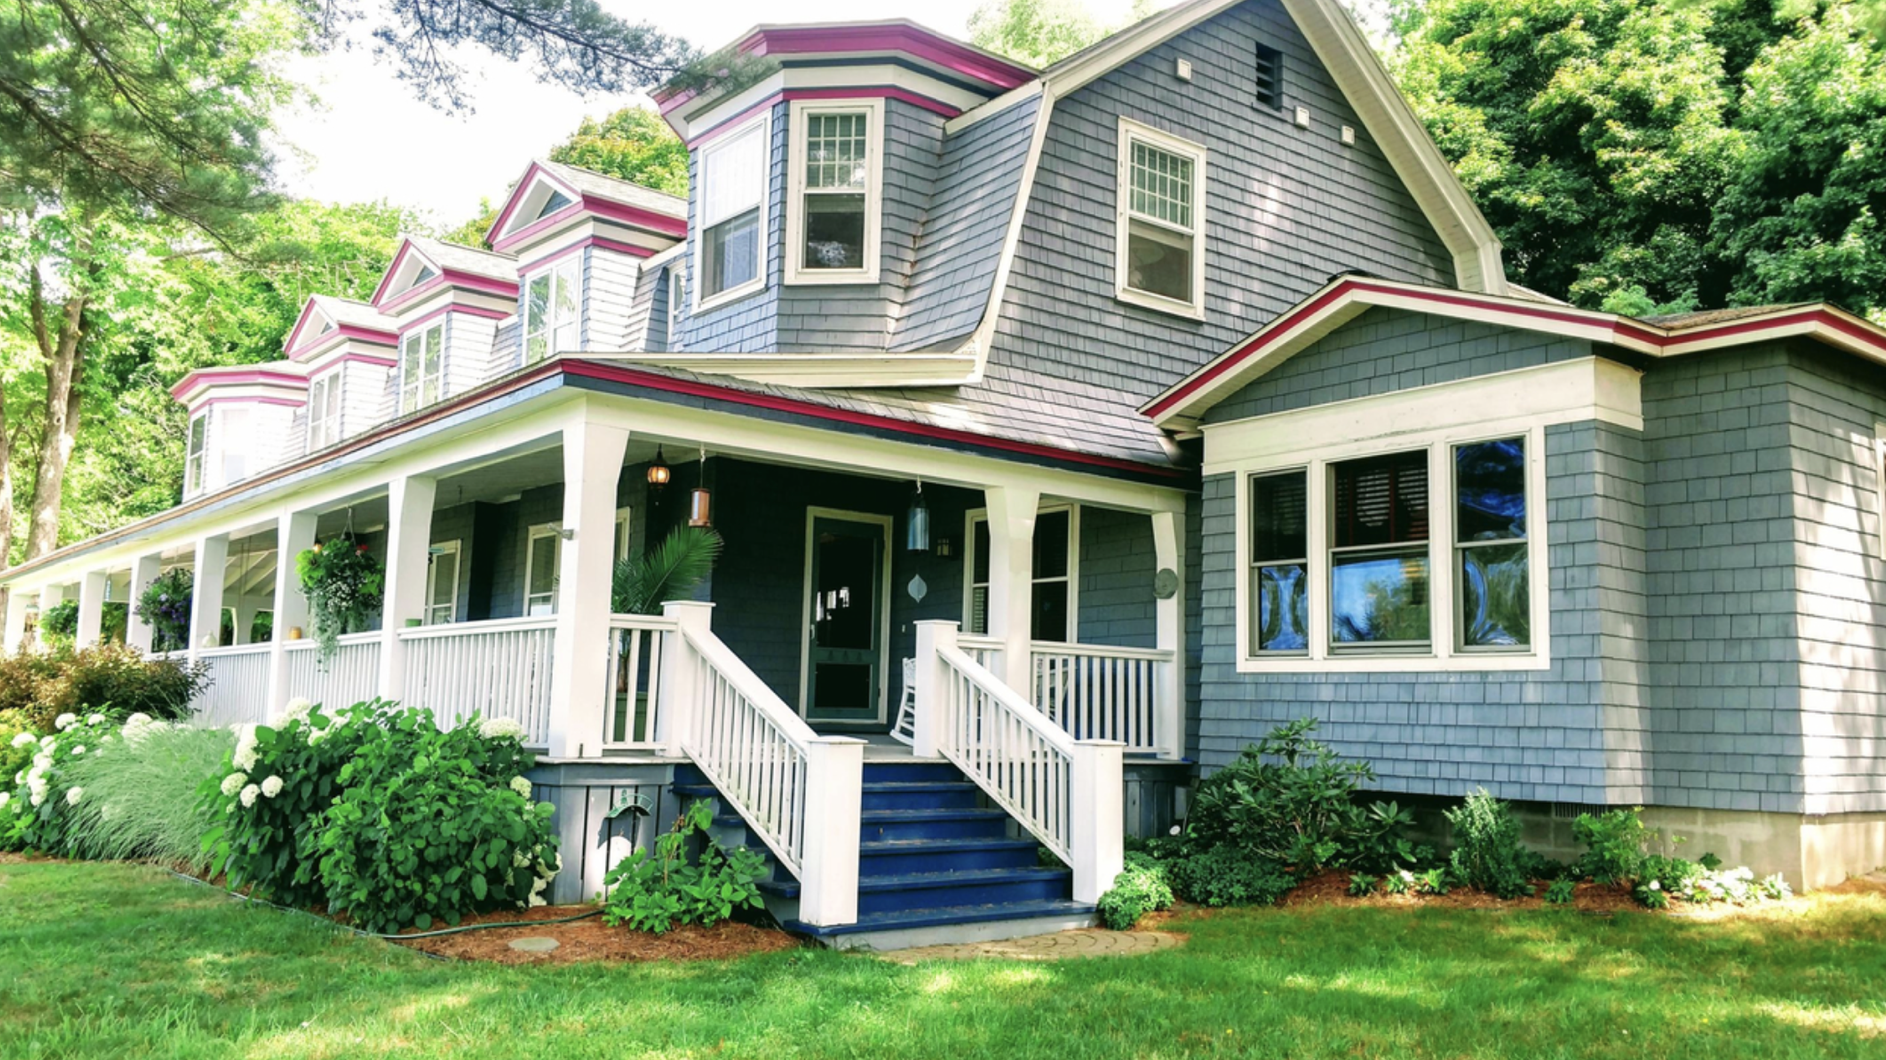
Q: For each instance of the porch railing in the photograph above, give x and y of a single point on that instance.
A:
(1103, 693)
(351, 675)
(238, 688)
(799, 792)
(1067, 793)
(495, 669)
(987, 651)
(633, 696)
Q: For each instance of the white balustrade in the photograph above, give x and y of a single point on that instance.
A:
(1103, 693)
(495, 669)
(636, 644)
(238, 688)
(987, 651)
(351, 675)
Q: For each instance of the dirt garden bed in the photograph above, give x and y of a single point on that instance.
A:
(593, 940)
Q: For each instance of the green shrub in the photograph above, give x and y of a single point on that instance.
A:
(1614, 843)
(39, 806)
(1382, 844)
(1140, 888)
(655, 890)
(107, 677)
(59, 623)
(20, 678)
(1487, 854)
(141, 793)
(1433, 881)
(1361, 885)
(1560, 891)
(1287, 799)
(1227, 876)
(18, 744)
(1398, 882)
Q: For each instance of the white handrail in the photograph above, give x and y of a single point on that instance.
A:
(498, 668)
(1011, 750)
(489, 625)
(1099, 692)
(633, 689)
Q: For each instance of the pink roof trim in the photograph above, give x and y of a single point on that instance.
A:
(468, 310)
(526, 267)
(237, 375)
(451, 278)
(372, 336)
(517, 197)
(934, 106)
(293, 403)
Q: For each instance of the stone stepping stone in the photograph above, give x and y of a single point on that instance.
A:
(535, 944)
(1060, 946)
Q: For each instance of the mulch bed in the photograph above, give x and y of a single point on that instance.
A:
(593, 940)
(1332, 888)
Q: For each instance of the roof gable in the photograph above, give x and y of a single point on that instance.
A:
(550, 194)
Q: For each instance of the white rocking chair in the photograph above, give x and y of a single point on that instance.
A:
(904, 729)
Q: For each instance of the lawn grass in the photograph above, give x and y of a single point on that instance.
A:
(104, 960)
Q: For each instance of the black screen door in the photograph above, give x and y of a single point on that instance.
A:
(845, 655)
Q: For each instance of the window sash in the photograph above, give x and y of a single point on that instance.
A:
(1065, 582)
(1286, 533)
(1489, 552)
(421, 368)
(550, 312)
(733, 174)
(442, 607)
(674, 306)
(198, 445)
(1162, 183)
(543, 562)
(1160, 236)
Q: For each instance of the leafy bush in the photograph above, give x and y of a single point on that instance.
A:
(39, 805)
(1288, 799)
(1487, 854)
(1382, 845)
(1614, 843)
(59, 623)
(1140, 888)
(1361, 885)
(107, 677)
(15, 756)
(1226, 875)
(654, 891)
(141, 793)
(1398, 882)
(164, 605)
(20, 677)
(1559, 891)
(1433, 881)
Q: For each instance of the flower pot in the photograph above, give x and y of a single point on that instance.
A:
(294, 632)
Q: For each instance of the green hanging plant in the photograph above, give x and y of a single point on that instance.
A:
(344, 585)
(669, 571)
(164, 605)
(59, 624)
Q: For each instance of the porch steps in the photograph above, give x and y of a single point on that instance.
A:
(934, 863)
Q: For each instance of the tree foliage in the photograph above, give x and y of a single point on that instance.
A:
(633, 144)
(1036, 32)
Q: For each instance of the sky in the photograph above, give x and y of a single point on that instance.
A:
(371, 139)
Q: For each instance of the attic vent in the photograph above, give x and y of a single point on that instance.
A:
(1270, 77)
(426, 272)
(555, 202)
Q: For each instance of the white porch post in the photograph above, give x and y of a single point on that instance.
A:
(206, 597)
(834, 800)
(592, 462)
(48, 597)
(932, 677)
(16, 619)
(144, 571)
(1169, 620)
(294, 534)
(1097, 826)
(1012, 578)
(674, 715)
(91, 608)
(408, 536)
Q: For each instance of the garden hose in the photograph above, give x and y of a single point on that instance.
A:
(394, 938)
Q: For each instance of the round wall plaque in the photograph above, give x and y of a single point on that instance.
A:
(1165, 583)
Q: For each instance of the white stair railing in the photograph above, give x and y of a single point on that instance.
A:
(238, 689)
(633, 696)
(495, 669)
(1104, 693)
(1069, 794)
(799, 792)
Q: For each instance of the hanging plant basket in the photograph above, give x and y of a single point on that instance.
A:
(164, 605)
(344, 584)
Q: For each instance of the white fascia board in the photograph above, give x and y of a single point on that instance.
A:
(984, 335)
(861, 370)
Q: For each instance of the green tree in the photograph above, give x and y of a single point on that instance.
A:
(633, 144)
(1036, 32)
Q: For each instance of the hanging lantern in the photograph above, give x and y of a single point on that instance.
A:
(658, 475)
(700, 502)
(917, 524)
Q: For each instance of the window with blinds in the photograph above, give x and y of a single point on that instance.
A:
(1280, 563)
(1379, 552)
(732, 209)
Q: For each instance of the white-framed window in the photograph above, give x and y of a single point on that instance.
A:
(1054, 598)
(674, 306)
(324, 411)
(1422, 552)
(543, 559)
(193, 455)
(1161, 232)
(1879, 482)
(422, 368)
(550, 311)
(442, 583)
(834, 201)
(621, 548)
(235, 458)
(730, 251)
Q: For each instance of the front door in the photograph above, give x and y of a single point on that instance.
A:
(845, 634)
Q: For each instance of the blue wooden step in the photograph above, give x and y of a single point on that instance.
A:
(911, 772)
(903, 856)
(946, 916)
(937, 890)
(921, 795)
(877, 826)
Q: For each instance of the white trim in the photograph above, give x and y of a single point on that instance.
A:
(984, 336)
(1584, 388)
(1442, 653)
(1125, 217)
(325, 390)
(1879, 482)
(763, 123)
(454, 548)
(981, 515)
(625, 524)
(884, 612)
(553, 531)
(196, 453)
(564, 271)
(699, 118)
(817, 369)
(677, 290)
(798, 112)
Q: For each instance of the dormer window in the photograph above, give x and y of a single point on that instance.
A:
(324, 411)
(729, 255)
(235, 457)
(1161, 234)
(550, 312)
(832, 211)
(193, 460)
(421, 368)
(674, 306)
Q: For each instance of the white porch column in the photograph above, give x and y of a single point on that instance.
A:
(1169, 622)
(144, 571)
(91, 608)
(408, 536)
(932, 678)
(1097, 827)
(674, 714)
(1011, 579)
(48, 597)
(15, 635)
(294, 534)
(834, 799)
(206, 597)
(592, 463)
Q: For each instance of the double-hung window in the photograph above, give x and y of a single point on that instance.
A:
(550, 311)
(1053, 581)
(422, 368)
(1280, 563)
(442, 584)
(1493, 561)
(1378, 553)
(674, 306)
(833, 210)
(1161, 232)
(324, 411)
(543, 555)
(730, 250)
(193, 460)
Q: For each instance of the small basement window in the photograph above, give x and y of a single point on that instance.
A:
(1161, 234)
(1270, 77)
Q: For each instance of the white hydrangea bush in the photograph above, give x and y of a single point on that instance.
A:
(32, 814)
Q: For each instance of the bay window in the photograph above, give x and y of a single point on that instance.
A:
(730, 253)
(324, 411)
(193, 459)
(1161, 229)
(1378, 556)
(422, 368)
(832, 213)
(1493, 559)
(550, 325)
